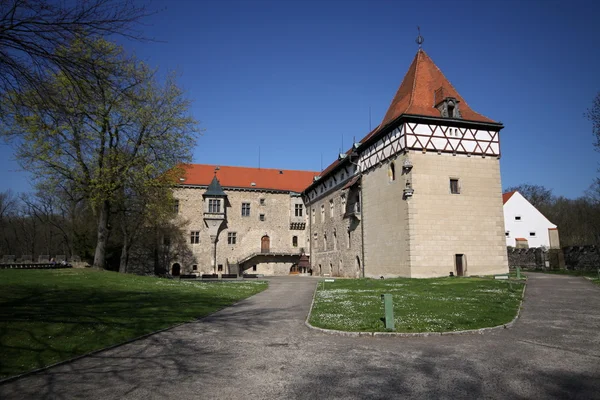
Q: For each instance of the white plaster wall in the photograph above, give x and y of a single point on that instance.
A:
(531, 221)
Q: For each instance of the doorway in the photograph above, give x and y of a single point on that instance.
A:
(459, 261)
(176, 269)
(265, 244)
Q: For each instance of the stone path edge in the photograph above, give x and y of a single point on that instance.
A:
(479, 331)
(135, 339)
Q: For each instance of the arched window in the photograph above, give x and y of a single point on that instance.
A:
(295, 241)
(392, 172)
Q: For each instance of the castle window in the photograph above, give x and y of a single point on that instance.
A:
(392, 172)
(195, 267)
(454, 187)
(343, 203)
(349, 238)
(450, 110)
(298, 210)
(220, 268)
(232, 238)
(195, 237)
(331, 208)
(322, 212)
(532, 234)
(262, 217)
(294, 241)
(313, 215)
(254, 268)
(176, 206)
(214, 205)
(245, 209)
(507, 233)
(325, 242)
(517, 217)
(262, 202)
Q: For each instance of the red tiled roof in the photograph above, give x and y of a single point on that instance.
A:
(242, 177)
(521, 239)
(507, 195)
(415, 95)
(552, 229)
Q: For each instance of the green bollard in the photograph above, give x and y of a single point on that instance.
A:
(388, 306)
(518, 273)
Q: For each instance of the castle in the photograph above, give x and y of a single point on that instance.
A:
(419, 196)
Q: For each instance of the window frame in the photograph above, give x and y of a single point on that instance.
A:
(298, 210)
(231, 238)
(455, 189)
(214, 206)
(246, 209)
(194, 237)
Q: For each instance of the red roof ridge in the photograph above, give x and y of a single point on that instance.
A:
(506, 196)
(248, 177)
(521, 239)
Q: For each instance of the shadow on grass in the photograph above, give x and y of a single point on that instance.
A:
(40, 327)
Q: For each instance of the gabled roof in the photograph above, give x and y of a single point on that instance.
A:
(215, 189)
(506, 196)
(416, 94)
(243, 177)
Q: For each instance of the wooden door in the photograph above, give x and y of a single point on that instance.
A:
(265, 244)
(459, 265)
(176, 270)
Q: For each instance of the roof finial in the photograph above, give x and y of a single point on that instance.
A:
(420, 39)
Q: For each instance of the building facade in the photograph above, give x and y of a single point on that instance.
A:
(525, 225)
(419, 196)
(242, 219)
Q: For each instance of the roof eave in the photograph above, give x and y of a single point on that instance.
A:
(420, 118)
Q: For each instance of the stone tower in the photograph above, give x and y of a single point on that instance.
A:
(215, 216)
(427, 181)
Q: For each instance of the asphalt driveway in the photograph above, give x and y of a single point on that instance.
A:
(261, 349)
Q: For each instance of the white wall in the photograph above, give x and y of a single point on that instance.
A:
(531, 221)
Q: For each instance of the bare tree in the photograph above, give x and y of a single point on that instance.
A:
(537, 195)
(593, 114)
(32, 32)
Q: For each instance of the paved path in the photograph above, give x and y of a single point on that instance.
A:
(260, 349)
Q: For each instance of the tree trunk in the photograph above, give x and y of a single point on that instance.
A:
(100, 255)
(124, 253)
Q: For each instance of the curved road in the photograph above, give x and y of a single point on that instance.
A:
(260, 349)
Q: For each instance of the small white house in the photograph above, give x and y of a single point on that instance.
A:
(525, 226)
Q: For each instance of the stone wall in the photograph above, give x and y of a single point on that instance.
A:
(335, 235)
(586, 258)
(442, 224)
(277, 209)
(386, 220)
(526, 258)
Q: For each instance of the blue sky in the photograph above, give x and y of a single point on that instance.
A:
(296, 78)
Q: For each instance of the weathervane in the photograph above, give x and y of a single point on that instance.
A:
(420, 39)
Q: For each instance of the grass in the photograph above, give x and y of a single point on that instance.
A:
(51, 315)
(420, 305)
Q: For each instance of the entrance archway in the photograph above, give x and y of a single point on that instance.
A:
(265, 244)
(176, 269)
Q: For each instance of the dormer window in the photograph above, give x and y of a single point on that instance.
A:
(447, 106)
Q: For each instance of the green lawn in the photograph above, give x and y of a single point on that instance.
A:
(52, 315)
(420, 305)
